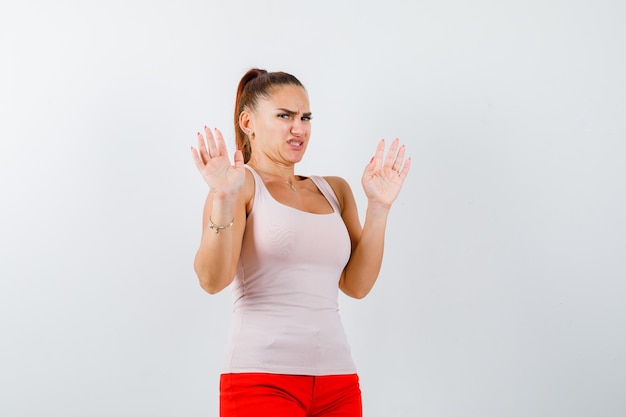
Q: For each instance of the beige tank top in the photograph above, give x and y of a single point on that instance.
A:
(286, 316)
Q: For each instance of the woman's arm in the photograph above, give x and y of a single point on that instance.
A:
(382, 181)
(216, 260)
(362, 270)
(224, 217)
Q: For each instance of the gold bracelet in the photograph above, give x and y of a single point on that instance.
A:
(217, 228)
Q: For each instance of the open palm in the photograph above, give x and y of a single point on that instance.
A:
(383, 177)
(211, 159)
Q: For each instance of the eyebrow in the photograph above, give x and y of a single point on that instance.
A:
(293, 113)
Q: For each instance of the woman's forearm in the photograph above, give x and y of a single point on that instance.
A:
(215, 260)
(365, 262)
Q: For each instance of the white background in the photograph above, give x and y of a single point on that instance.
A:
(504, 283)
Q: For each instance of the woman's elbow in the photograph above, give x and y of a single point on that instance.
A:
(210, 285)
(204, 280)
(357, 293)
(211, 289)
(209, 282)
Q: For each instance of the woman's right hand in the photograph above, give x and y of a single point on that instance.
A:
(211, 159)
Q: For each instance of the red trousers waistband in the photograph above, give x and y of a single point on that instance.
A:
(276, 395)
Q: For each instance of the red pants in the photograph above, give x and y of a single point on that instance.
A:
(273, 395)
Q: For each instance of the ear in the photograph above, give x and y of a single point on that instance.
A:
(245, 122)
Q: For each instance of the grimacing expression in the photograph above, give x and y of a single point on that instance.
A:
(281, 124)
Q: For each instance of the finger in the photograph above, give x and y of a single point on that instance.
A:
(391, 154)
(202, 151)
(405, 169)
(196, 159)
(378, 156)
(397, 163)
(213, 152)
(238, 158)
(221, 144)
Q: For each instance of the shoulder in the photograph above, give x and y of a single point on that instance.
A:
(341, 188)
(248, 191)
(337, 182)
(249, 182)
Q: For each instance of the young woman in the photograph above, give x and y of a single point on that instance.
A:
(287, 243)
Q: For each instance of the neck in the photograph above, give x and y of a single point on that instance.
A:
(276, 173)
(284, 172)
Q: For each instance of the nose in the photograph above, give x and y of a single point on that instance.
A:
(298, 127)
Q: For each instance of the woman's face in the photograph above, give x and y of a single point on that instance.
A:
(282, 125)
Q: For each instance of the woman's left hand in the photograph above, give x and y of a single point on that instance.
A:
(384, 175)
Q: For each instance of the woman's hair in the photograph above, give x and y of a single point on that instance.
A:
(256, 83)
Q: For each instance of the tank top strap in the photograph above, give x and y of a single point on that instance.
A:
(327, 191)
(254, 173)
(259, 185)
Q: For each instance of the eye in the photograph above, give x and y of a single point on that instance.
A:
(306, 118)
(283, 116)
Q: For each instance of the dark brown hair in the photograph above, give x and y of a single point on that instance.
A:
(256, 83)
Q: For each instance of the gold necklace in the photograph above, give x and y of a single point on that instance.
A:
(294, 189)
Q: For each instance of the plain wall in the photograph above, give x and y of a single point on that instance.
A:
(504, 282)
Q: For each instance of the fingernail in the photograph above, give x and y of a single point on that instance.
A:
(371, 159)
